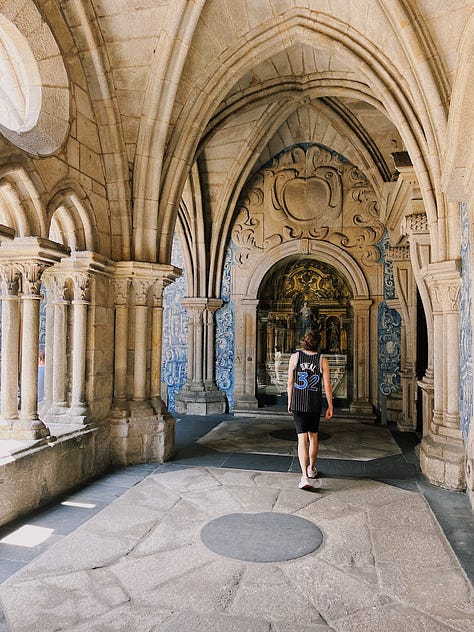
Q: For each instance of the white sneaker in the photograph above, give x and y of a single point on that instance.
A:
(312, 472)
(304, 483)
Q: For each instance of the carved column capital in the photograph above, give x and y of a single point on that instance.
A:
(81, 281)
(141, 287)
(10, 275)
(31, 278)
(445, 296)
(121, 288)
(444, 282)
(55, 287)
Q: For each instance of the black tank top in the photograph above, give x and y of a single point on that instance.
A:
(307, 389)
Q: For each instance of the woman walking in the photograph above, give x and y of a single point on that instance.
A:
(306, 373)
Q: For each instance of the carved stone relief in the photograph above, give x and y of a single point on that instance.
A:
(308, 192)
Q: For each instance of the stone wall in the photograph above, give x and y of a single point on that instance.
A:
(38, 474)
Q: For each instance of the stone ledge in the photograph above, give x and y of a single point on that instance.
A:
(34, 472)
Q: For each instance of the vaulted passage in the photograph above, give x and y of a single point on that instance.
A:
(187, 187)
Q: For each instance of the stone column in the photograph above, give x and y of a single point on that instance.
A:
(49, 349)
(10, 347)
(79, 327)
(142, 430)
(442, 450)
(198, 322)
(245, 354)
(415, 228)
(262, 350)
(213, 304)
(121, 290)
(60, 403)
(30, 352)
(164, 278)
(406, 305)
(156, 346)
(140, 384)
(200, 395)
(361, 378)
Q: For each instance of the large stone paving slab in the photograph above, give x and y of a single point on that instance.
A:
(141, 564)
(339, 439)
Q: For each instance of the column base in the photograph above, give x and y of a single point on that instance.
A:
(443, 462)
(470, 464)
(139, 435)
(406, 425)
(244, 403)
(23, 430)
(190, 402)
(362, 408)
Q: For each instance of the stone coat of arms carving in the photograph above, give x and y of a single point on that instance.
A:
(308, 192)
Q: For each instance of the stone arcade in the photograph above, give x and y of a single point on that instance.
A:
(186, 185)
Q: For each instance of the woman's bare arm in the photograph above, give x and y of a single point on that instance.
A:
(327, 386)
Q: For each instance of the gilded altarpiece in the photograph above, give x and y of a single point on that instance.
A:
(294, 298)
(310, 207)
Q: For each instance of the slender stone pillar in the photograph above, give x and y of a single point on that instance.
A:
(442, 449)
(79, 339)
(164, 279)
(156, 345)
(200, 395)
(30, 349)
(361, 378)
(10, 346)
(245, 358)
(121, 289)
(210, 378)
(49, 349)
(198, 346)
(60, 402)
(406, 305)
(141, 288)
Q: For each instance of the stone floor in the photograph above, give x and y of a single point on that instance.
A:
(136, 549)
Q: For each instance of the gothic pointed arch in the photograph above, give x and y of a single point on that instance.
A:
(21, 205)
(386, 83)
(72, 221)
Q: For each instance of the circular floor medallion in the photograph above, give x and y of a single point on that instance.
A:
(289, 434)
(261, 537)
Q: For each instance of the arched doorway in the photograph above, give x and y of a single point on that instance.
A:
(295, 295)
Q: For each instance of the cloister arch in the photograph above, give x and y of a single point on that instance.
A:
(72, 221)
(22, 208)
(245, 288)
(385, 80)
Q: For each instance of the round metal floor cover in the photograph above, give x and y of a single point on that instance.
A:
(261, 537)
(289, 434)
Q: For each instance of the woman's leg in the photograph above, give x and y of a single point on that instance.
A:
(303, 455)
(313, 448)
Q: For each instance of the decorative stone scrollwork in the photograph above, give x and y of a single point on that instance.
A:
(308, 192)
(244, 235)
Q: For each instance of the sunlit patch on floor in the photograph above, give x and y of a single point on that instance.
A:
(28, 535)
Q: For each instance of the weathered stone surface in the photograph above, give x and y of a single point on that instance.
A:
(143, 554)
